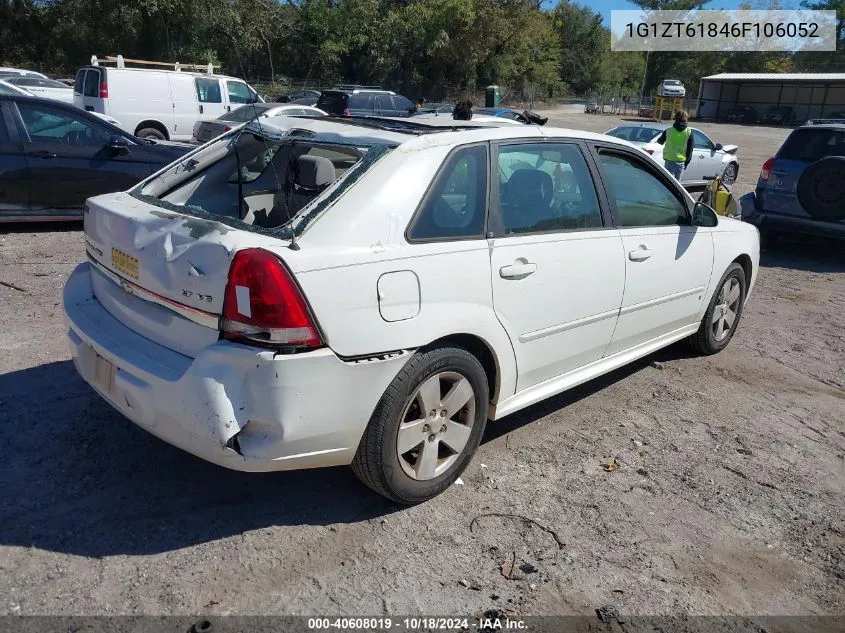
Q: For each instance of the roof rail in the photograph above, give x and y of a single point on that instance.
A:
(825, 122)
(355, 87)
(121, 62)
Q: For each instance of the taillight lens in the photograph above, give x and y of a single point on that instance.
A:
(767, 169)
(226, 128)
(650, 152)
(346, 112)
(104, 90)
(263, 305)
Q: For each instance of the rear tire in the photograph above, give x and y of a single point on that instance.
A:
(723, 314)
(409, 455)
(151, 132)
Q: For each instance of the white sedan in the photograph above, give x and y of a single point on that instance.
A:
(322, 292)
(709, 159)
(207, 129)
(43, 87)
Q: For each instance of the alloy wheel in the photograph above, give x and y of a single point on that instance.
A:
(435, 425)
(725, 312)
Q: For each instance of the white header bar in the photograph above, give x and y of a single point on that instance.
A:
(728, 31)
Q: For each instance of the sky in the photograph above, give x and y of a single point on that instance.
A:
(604, 7)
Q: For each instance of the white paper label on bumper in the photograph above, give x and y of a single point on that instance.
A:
(104, 371)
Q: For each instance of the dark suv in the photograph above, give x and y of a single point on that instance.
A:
(801, 189)
(364, 103)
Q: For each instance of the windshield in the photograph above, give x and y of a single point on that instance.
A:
(260, 177)
(672, 82)
(35, 82)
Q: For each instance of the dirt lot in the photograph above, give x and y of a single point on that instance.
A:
(729, 498)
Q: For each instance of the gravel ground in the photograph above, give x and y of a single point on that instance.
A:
(728, 499)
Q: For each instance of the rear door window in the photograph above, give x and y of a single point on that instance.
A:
(361, 102)
(208, 90)
(545, 187)
(813, 144)
(79, 82)
(456, 205)
(91, 88)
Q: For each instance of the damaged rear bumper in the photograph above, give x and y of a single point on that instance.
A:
(240, 407)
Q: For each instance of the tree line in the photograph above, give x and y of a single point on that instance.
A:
(413, 46)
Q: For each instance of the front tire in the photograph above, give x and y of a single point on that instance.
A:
(723, 314)
(426, 427)
(730, 173)
(151, 132)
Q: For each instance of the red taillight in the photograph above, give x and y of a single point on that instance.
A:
(226, 128)
(346, 112)
(650, 152)
(767, 169)
(104, 90)
(263, 305)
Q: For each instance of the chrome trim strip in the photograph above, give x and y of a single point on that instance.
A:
(656, 302)
(555, 329)
(200, 317)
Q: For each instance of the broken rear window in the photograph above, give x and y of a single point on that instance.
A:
(258, 178)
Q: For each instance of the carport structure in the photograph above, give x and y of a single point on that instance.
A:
(810, 95)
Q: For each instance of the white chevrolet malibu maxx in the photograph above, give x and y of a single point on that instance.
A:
(306, 293)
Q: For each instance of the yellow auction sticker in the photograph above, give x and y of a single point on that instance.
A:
(124, 263)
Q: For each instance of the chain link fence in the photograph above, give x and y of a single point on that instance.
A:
(621, 105)
(518, 97)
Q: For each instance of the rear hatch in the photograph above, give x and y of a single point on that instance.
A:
(334, 102)
(160, 273)
(803, 147)
(161, 254)
(90, 90)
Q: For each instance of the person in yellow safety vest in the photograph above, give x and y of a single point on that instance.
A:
(677, 145)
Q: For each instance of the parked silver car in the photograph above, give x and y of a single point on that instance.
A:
(207, 129)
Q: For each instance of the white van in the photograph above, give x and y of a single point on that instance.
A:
(161, 104)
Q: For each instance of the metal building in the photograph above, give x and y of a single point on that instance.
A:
(799, 96)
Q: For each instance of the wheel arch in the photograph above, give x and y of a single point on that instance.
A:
(153, 123)
(482, 351)
(745, 261)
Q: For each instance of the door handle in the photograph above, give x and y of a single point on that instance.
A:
(42, 154)
(520, 269)
(200, 109)
(640, 254)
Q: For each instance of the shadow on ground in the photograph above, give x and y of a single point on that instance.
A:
(81, 479)
(815, 255)
(63, 226)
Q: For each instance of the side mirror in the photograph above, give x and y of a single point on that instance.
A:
(719, 146)
(703, 215)
(118, 143)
